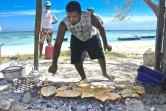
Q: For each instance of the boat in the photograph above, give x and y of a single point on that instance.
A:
(128, 38)
(65, 39)
(0, 28)
(148, 36)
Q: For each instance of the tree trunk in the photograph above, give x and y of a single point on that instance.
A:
(159, 35)
(153, 6)
(37, 33)
(163, 67)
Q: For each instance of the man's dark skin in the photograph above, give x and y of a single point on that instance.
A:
(74, 18)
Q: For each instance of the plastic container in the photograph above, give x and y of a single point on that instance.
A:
(147, 75)
(49, 51)
(148, 59)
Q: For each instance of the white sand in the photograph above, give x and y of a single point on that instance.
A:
(127, 47)
(124, 69)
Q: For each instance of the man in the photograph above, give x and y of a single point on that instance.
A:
(91, 10)
(80, 23)
(48, 18)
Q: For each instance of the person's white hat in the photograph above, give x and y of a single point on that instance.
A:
(91, 9)
(48, 3)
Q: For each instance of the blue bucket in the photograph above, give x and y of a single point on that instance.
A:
(147, 75)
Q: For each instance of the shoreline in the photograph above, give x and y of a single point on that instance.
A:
(125, 47)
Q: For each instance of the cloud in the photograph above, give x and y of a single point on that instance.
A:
(17, 6)
(58, 11)
(134, 23)
(24, 13)
(143, 18)
(146, 25)
(107, 19)
(137, 19)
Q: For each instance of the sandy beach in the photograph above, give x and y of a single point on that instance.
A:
(124, 69)
(126, 26)
(125, 46)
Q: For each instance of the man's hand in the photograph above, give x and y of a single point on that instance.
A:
(107, 47)
(52, 69)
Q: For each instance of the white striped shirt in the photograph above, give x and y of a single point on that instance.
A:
(82, 30)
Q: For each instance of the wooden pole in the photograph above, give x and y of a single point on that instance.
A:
(37, 33)
(0, 53)
(159, 34)
(163, 67)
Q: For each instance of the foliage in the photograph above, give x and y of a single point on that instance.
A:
(123, 11)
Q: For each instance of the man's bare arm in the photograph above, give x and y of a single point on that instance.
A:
(96, 23)
(59, 39)
(55, 20)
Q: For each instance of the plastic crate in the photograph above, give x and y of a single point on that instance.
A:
(147, 75)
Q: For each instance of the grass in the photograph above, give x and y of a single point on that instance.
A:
(18, 56)
(120, 55)
(107, 54)
(66, 54)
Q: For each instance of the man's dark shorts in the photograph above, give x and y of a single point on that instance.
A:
(93, 46)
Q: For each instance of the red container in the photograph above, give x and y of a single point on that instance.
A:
(49, 51)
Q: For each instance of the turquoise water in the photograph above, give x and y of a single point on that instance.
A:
(16, 42)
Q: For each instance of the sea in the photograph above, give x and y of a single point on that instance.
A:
(16, 42)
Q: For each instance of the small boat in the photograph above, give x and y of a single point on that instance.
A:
(147, 36)
(65, 39)
(128, 38)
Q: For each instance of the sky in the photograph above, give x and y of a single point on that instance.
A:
(19, 15)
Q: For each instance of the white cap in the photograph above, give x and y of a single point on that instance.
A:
(91, 9)
(48, 3)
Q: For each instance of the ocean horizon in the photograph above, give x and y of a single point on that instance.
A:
(56, 30)
(23, 41)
